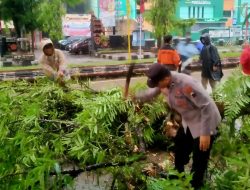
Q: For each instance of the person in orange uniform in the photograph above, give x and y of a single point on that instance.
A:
(168, 56)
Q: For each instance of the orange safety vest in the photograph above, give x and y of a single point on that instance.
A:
(168, 56)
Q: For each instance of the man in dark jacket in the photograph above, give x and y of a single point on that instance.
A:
(211, 64)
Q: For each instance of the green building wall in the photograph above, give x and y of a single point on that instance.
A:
(208, 13)
(239, 12)
(200, 9)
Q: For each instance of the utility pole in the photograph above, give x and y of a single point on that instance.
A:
(128, 28)
(247, 23)
(142, 9)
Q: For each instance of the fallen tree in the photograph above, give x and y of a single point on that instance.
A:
(44, 127)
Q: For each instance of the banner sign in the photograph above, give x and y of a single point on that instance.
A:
(121, 8)
(198, 2)
(77, 25)
(107, 12)
(228, 33)
(219, 33)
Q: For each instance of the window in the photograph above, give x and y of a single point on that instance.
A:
(227, 14)
(194, 12)
(189, 12)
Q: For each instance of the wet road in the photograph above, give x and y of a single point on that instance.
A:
(76, 59)
(108, 84)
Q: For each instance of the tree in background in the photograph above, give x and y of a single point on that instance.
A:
(162, 17)
(29, 15)
(50, 13)
(23, 13)
(183, 26)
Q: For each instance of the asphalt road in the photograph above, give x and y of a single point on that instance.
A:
(120, 82)
(108, 84)
(76, 59)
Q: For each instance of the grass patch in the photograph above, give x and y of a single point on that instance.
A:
(16, 68)
(224, 55)
(72, 65)
(230, 55)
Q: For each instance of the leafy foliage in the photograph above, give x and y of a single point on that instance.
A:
(234, 94)
(28, 15)
(230, 163)
(21, 12)
(161, 19)
(229, 168)
(182, 182)
(164, 21)
(44, 128)
(183, 26)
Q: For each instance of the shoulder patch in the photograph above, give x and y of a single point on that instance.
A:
(188, 91)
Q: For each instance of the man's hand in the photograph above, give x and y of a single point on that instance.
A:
(204, 143)
(60, 74)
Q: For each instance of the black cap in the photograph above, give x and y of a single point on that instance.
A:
(156, 73)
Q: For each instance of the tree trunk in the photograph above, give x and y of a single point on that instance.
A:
(32, 41)
(17, 28)
(159, 42)
(183, 30)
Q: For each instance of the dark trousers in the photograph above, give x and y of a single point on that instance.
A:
(184, 146)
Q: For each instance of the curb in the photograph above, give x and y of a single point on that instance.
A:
(226, 63)
(121, 58)
(109, 71)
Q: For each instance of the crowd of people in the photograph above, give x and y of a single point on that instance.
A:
(180, 56)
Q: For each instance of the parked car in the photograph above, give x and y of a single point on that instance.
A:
(69, 40)
(80, 47)
(62, 41)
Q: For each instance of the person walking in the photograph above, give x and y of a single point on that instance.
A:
(167, 55)
(186, 50)
(211, 63)
(199, 113)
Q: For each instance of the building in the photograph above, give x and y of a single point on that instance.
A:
(241, 8)
(208, 13)
(228, 12)
(216, 15)
(222, 19)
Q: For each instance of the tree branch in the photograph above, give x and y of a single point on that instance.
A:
(75, 173)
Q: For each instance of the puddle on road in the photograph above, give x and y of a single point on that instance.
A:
(93, 181)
